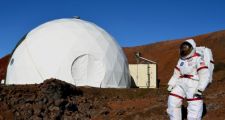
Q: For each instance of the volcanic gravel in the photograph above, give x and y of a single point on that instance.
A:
(55, 100)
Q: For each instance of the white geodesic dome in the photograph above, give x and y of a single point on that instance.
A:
(73, 50)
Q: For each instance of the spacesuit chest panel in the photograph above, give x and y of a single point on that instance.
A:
(187, 66)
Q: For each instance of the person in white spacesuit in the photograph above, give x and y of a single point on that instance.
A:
(190, 78)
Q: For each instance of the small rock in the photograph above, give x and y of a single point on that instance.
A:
(53, 108)
(71, 107)
(120, 112)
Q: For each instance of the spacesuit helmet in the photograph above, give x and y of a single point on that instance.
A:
(185, 49)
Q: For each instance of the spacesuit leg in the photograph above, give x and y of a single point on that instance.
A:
(174, 103)
(195, 106)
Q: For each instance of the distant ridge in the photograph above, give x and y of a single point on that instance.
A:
(3, 66)
(166, 53)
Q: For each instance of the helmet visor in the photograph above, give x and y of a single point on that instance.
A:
(185, 49)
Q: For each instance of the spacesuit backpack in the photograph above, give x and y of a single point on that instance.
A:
(207, 56)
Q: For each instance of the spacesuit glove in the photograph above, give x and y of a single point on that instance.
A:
(197, 94)
(170, 88)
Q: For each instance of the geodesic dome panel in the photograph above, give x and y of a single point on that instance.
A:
(73, 50)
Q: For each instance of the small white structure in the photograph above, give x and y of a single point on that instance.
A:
(73, 50)
(144, 75)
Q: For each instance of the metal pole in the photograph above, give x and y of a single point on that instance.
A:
(137, 75)
(148, 73)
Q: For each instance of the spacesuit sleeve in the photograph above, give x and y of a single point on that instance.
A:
(175, 77)
(204, 75)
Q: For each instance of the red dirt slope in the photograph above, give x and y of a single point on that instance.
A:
(166, 54)
(3, 66)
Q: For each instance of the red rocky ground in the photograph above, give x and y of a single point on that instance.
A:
(55, 99)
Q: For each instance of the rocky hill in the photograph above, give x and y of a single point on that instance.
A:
(166, 54)
(3, 66)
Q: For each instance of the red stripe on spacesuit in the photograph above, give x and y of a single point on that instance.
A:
(177, 68)
(175, 95)
(193, 99)
(204, 67)
(195, 55)
(186, 76)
